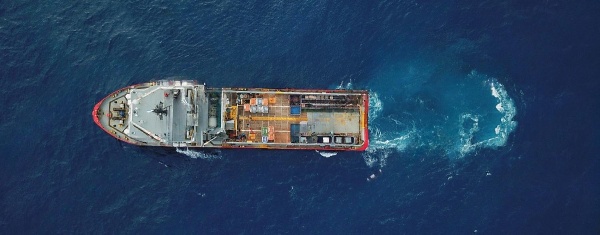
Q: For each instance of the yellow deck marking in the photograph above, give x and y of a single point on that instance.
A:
(234, 115)
(262, 118)
(254, 130)
(362, 118)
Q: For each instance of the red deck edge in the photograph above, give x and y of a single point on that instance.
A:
(95, 115)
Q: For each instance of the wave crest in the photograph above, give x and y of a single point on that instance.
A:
(506, 106)
(326, 154)
(198, 154)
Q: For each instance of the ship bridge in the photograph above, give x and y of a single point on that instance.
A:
(165, 113)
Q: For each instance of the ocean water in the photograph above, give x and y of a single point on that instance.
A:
(484, 117)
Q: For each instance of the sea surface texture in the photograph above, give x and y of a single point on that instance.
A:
(484, 117)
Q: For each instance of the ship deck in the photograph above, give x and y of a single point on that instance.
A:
(277, 119)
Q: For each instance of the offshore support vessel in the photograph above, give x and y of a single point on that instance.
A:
(183, 113)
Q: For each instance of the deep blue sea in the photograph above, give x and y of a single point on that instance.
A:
(484, 117)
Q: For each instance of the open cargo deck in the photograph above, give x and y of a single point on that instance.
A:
(186, 114)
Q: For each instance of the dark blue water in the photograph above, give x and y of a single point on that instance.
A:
(484, 117)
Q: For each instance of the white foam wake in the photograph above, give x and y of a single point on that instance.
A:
(505, 106)
(381, 146)
(195, 154)
(375, 106)
(467, 134)
(326, 154)
(383, 143)
(470, 123)
(348, 85)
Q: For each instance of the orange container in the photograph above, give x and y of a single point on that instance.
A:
(253, 101)
(271, 133)
(272, 100)
(247, 107)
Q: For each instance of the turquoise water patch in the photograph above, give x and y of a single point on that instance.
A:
(418, 106)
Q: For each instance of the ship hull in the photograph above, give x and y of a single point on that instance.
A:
(171, 113)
